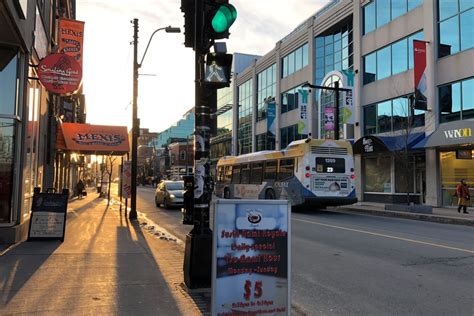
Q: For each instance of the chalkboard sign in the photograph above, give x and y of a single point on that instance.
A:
(48, 216)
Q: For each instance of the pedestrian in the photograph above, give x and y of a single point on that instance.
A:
(462, 191)
(80, 189)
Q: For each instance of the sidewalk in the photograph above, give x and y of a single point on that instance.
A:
(439, 214)
(106, 265)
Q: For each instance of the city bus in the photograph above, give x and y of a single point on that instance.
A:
(315, 172)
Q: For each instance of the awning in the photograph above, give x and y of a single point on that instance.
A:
(92, 139)
(375, 144)
(450, 134)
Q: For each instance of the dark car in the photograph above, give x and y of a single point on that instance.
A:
(169, 193)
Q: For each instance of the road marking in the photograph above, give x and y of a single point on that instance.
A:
(386, 236)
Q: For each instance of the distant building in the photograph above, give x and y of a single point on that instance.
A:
(181, 158)
(182, 129)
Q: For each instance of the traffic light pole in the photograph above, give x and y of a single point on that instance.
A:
(198, 247)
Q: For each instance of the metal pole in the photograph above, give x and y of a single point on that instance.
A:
(336, 112)
(133, 201)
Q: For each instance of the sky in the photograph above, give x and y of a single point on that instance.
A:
(166, 80)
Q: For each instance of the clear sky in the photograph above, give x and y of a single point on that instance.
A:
(166, 81)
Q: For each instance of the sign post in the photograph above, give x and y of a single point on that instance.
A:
(251, 257)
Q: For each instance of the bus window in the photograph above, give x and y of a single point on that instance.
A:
(236, 174)
(227, 174)
(330, 165)
(286, 168)
(245, 173)
(256, 173)
(220, 174)
(270, 170)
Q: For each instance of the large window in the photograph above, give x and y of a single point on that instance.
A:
(380, 12)
(294, 61)
(377, 174)
(456, 31)
(266, 88)
(289, 134)
(289, 100)
(245, 118)
(390, 60)
(456, 101)
(391, 115)
(265, 141)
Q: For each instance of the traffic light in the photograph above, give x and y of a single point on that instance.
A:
(219, 15)
(188, 8)
(218, 70)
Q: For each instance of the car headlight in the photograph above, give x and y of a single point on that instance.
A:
(172, 196)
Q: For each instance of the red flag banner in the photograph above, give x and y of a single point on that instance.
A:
(419, 59)
(71, 37)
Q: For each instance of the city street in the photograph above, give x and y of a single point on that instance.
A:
(344, 263)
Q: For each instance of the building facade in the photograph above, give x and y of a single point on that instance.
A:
(28, 113)
(182, 129)
(403, 153)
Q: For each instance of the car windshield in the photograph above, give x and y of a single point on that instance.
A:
(175, 186)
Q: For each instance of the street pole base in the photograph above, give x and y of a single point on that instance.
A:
(198, 260)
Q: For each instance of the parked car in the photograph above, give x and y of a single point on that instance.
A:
(169, 193)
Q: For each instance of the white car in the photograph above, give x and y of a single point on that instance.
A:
(169, 193)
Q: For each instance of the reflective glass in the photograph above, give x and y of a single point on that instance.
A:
(370, 68)
(285, 67)
(399, 57)
(467, 29)
(7, 164)
(320, 51)
(384, 117)
(328, 61)
(8, 87)
(298, 59)
(319, 63)
(449, 37)
(328, 39)
(383, 63)
(450, 102)
(466, 4)
(400, 114)
(291, 63)
(329, 49)
(305, 55)
(370, 119)
(319, 42)
(468, 99)
(377, 174)
(413, 4)
(399, 7)
(447, 8)
(337, 56)
(369, 18)
(383, 12)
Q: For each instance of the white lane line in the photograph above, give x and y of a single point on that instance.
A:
(386, 236)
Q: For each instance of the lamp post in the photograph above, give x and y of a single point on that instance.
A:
(135, 125)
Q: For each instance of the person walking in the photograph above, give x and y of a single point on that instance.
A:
(462, 191)
(80, 189)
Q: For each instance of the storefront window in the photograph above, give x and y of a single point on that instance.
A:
(452, 171)
(8, 81)
(7, 151)
(404, 174)
(377, 174)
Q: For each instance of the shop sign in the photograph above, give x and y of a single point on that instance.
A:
(464, 154)
(127, 179)
(71, 37)
(368, 145)
(60, 74)
(251, 258)
(458, 133)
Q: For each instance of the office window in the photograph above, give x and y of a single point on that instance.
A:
(399, 57)
(380, 12)
(265, 141)
(266, 85)
(456, 101)
(245, 117)
(384, 63)
(370, 119)
(289, 100)
(295, 60)
(455, 26)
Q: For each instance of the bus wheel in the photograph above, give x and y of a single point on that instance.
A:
(269, 195)
(226, 194)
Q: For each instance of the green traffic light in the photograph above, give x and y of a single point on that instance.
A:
(223, 18)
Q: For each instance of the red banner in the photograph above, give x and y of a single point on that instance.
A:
(71, 37)
(60, 74)
(419, 59)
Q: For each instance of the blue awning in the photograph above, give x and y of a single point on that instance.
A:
(374, 144)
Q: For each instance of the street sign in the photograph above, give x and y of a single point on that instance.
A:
(251, 257)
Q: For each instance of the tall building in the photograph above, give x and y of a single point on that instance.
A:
(28, 113)
(403, 153)
(180, 130)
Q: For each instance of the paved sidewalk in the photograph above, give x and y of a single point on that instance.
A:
(106, 265)
(439, 215)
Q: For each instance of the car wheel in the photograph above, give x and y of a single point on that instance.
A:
(270, 195)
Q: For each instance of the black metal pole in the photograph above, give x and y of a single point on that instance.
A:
(336, 114)
(133, 200)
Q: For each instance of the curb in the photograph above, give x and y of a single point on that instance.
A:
(420, 217)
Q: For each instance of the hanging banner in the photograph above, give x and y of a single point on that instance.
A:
(348, 111)
(303, 106)
(71, 37)
(60, 74)
(127, 179)
(419, 60)
(251, 262)
(271, 115)
(329, 119)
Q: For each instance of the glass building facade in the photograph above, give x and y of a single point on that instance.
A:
(266, 88)
(244, 136)
(455, 26)
(380, 12)
(456, 101)
(294, 61)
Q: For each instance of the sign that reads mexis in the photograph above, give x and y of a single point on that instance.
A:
(71, 37)
(60, 74)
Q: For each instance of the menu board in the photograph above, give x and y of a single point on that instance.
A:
(251, 258)
(48, 216)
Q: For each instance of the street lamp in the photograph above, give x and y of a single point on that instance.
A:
(135, 127)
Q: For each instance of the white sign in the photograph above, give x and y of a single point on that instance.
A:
(127, 179)
(251, 258)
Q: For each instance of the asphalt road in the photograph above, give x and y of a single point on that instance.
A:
(353, 264)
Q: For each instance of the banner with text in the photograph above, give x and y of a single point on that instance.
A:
(127, 179)
(271, 115)
(71, 38)
(303, 127)
(251, 258)
(419, 60)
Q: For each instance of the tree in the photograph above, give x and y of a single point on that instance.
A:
(109, 166)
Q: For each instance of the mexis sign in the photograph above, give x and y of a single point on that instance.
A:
(98, 139)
